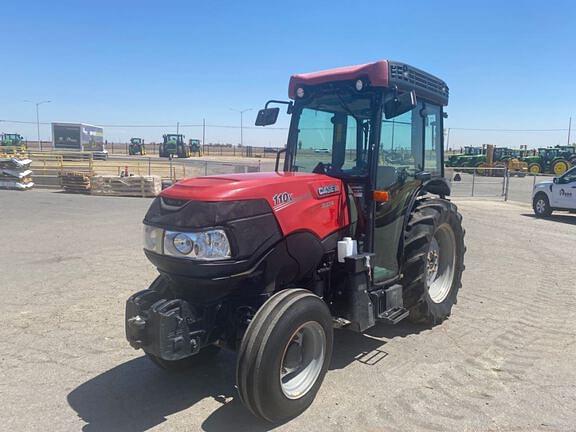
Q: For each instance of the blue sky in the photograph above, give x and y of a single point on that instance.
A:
(509, 65)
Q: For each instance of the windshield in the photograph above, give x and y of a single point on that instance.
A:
(333, 135)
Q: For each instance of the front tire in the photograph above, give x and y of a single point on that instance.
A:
(541, 205)
(534, 168)
(284, 355)
(434, 260)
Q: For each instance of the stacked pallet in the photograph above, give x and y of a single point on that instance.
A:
(140, 186)
(75, 182)
(15, 174)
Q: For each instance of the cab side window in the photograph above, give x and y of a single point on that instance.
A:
(400, 147)
(432, 138)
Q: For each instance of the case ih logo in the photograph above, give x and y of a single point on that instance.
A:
(565, 194)
(282, 200)
(327, 190)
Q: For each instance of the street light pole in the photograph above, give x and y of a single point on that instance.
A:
(38, 118)
(241, 123)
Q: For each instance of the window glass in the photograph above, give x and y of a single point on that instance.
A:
(570, 176)
(329, 138)
(400, 148)
(432, 139)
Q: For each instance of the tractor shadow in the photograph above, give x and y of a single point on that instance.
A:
(569, 219)
(136, 396)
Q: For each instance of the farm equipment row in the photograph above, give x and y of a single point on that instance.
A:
(172, 145)
(552, 160)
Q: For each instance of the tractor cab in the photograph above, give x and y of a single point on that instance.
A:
(174, 145)
(473, 151)
(384, 136)
(136, 147)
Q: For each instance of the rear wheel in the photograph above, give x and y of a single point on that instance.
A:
(541, 205)
(284, 355)
(434, 260)
(559, 167)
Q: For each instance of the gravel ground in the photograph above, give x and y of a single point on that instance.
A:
(504, 361)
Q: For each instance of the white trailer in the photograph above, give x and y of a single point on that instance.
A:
(79, 137)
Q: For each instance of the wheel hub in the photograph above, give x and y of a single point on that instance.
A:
(540, 206)
(303, 359)
(440, 263)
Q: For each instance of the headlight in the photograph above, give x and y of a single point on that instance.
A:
(153, 238)
(206, 245)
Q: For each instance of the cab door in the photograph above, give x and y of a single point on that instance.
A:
(400, 159)
(564, 191)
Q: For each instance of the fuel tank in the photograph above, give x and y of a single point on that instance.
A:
(300, 201)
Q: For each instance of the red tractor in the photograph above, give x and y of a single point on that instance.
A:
(267, 264)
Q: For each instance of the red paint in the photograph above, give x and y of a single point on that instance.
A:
(305, 209)
(377, 74)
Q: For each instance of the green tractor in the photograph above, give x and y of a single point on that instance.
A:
(549, 161)
(195, 146)
(174, 145)
(568, 152)
(136, 147)
(470, 158)
(11, 140)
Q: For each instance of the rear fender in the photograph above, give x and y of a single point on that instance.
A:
(437, 186)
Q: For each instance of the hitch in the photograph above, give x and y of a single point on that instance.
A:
(162, 327)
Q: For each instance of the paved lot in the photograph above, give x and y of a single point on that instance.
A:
(503, 362)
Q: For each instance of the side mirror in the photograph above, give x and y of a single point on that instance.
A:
(267, 116)
(400, 105)
(556, 180)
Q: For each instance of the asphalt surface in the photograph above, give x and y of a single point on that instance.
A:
(504, 361)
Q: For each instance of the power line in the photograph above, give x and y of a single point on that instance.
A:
(152, 125)
(190, 125)
(507, 130)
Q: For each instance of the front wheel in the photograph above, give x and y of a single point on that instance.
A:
(534, 168)
(284, 355)
(434, 260)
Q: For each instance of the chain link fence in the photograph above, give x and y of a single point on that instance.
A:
(496, 183)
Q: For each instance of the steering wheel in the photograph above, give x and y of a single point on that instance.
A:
(322, 168)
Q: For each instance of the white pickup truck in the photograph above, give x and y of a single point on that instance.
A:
(556, 194)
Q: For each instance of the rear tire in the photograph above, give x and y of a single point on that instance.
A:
(559, 167)
(434, 260)
(284, 355)
(541, 205)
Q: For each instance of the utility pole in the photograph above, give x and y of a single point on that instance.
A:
(38, 118)
(569, 129)
(203, 133)
(241, 123)
(177, 128)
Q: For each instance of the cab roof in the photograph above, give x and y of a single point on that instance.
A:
(383, 73)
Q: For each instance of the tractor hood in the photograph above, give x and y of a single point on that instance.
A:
(299, 201)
